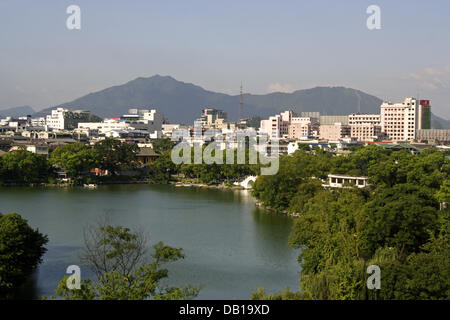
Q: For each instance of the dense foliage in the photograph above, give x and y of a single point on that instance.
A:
(399, 223)
(24, 167)
(21, 250)
(77, 159)
(115, 155)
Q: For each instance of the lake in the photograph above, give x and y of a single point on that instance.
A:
(231, 246)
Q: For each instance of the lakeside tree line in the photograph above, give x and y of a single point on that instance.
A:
(400, 223)
(78, 159)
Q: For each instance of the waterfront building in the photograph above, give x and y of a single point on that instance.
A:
(146, 155)
(341, 181)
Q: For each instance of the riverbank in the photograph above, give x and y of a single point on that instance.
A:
(284, 212)
(210, 186)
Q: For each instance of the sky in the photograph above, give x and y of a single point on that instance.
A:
(267, 45)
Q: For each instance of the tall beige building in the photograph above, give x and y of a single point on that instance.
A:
(364, 127)
(298, 130)
(334, 132)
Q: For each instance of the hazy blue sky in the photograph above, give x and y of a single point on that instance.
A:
(268, 45)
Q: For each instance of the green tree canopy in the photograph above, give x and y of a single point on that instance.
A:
(21, 250)
(24, 167)
(115, 155)
(77, 159)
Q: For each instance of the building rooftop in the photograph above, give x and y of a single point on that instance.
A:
(346, 177)
(147, 152)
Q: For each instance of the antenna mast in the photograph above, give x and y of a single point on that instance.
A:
(241, 105)
(359, 102)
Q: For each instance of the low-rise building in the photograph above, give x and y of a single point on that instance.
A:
(146, 155)
(433, 135)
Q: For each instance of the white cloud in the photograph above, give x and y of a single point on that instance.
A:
(431, 78)
(281, 87)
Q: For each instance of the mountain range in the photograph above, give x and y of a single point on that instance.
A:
(182, 102)
(17, 112)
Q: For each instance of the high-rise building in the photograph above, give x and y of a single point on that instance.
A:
(424, 115)
(400, 121)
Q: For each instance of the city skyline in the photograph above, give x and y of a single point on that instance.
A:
(269, 47)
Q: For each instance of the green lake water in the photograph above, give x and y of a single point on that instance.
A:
(231, 246)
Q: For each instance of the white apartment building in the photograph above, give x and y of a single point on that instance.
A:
(65, 119)
(150, 120)
(401, 120)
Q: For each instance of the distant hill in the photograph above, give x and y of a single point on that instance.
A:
(182, 102)
(439, 123)
(17, 111)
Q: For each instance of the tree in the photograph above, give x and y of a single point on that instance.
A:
(118, 258)
(21, 250)
(443, 195)
(401, 217)
(115, 155)
(24, 167)
(162, 145)
(77, 159)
